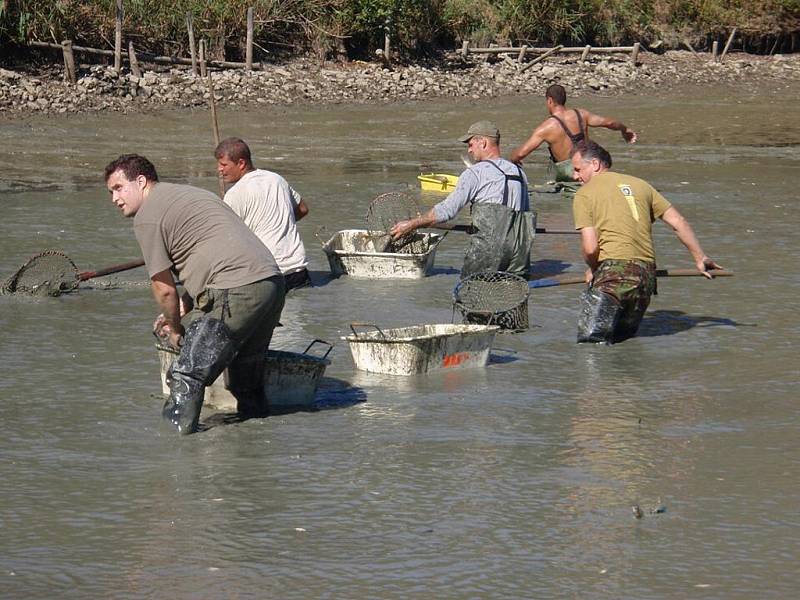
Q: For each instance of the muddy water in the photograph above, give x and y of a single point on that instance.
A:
(517, 480)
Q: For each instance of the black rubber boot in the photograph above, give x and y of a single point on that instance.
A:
(207, 349)
(184, 404)
(598, 318)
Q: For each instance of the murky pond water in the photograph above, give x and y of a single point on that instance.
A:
(516, 480)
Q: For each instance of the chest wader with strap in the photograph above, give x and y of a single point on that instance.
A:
(207, 349)
(561, 171)
(502, 236)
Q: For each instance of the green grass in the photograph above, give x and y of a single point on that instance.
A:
(416, 26)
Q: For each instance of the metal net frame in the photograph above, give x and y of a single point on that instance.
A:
(49, 273)
(383, 212)
(493, 298)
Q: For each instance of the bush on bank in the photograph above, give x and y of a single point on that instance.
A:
(355, 28)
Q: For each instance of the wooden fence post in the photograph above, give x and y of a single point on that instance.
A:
(249, 50)
(387, 44)
(202, 59)
(465, 48)
(522, 52)
(70, 73)
(190, 30)
(715, 51)
(118, 37)
(542, 57)
(134, 62)
(585, 53)
(727, 45)
(635, 53)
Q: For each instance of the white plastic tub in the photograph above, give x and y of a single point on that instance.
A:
(420, 348)
(352, 252)
(290, 379)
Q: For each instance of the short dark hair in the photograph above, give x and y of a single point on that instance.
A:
(557, 93)
(132, 165)
(590, 150)
(235, 149)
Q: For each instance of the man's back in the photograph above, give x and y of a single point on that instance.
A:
(191, 230)
(266, 203)
(563, 130)
(622, 209)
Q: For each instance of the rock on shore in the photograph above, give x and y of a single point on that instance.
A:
(103, 88)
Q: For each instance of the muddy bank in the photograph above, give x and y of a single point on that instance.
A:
(101, 88)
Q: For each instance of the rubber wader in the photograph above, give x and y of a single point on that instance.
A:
(501, 240)
(561, 173)
(502, 237)
(207, 349)
(244, 377)
(598, 317)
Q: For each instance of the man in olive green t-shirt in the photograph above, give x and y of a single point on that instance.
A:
(615, 213)
(234, 290)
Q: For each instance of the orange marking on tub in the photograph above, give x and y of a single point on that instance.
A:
(453, 360)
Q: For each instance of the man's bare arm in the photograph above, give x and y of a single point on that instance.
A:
(688, 238)
(300, 210)
(592, 120)
(166, 296)
(590, 248)
(405, 227)
(520, 152)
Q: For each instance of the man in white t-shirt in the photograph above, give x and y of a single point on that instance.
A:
(269, 207)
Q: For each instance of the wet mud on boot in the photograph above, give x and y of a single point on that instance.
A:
(207, 349)
(598, 318)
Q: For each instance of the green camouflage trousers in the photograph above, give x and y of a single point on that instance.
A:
(631, 283)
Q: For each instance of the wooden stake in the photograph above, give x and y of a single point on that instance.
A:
(215, 127)
(465, 48)
(70, 73)
(635, 53)
(522, 52)
(202, 59)
(689, 46)
(775, 45)
(727, 45)
(190, 31)
(249, 49)
(585, 53)
(539, 59)
(387, 44)
(134, 62)
(118, 38)
(715, 51)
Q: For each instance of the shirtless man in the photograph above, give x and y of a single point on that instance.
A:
(562, 130)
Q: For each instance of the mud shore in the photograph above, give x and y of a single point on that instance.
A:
(100, 88)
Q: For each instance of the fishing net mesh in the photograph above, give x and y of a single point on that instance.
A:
(493, 298)
(384, 211)
(49, 273)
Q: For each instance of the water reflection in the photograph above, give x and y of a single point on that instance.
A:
(669, 322)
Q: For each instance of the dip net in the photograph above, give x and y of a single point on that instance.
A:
(49, 273)
(493, 298)
(386, 210)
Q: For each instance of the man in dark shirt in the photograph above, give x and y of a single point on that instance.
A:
(230, 277)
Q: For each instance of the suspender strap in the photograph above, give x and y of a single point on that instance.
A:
(518, 177)
(573, 137)
(580, 126)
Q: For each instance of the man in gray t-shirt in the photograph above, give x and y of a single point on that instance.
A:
(497, 191)
(234, 290)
